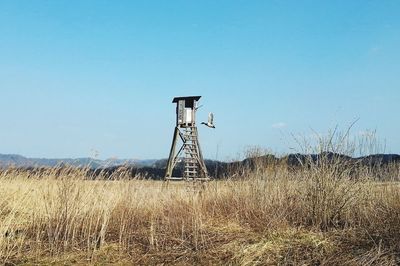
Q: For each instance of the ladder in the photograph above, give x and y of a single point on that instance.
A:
(194, 167)
(191, 154)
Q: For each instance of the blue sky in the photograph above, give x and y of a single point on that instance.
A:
(80, 76)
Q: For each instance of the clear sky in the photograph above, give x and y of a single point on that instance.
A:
(79, 76)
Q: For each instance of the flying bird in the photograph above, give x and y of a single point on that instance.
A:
(210, 122)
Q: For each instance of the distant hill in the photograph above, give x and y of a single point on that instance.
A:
(155, 169)
(16, 160)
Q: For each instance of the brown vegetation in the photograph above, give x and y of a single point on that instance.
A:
(318, 215)
(327, 211)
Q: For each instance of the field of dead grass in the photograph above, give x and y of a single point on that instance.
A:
(323, 214)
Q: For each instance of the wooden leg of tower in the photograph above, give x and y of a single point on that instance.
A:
(201, 159)
(168, 172)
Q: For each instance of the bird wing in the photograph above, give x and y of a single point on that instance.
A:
(211, 118)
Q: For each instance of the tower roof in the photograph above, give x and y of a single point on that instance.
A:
(195, 98)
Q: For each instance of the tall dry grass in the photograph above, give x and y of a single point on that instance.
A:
(326, 212)
(308, 216)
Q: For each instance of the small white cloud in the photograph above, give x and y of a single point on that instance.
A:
(279, 125)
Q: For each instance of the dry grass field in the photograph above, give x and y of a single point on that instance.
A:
(329, 214)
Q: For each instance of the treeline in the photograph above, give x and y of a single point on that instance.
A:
(221, 170)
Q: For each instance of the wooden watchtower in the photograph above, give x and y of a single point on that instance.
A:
(189, 152)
